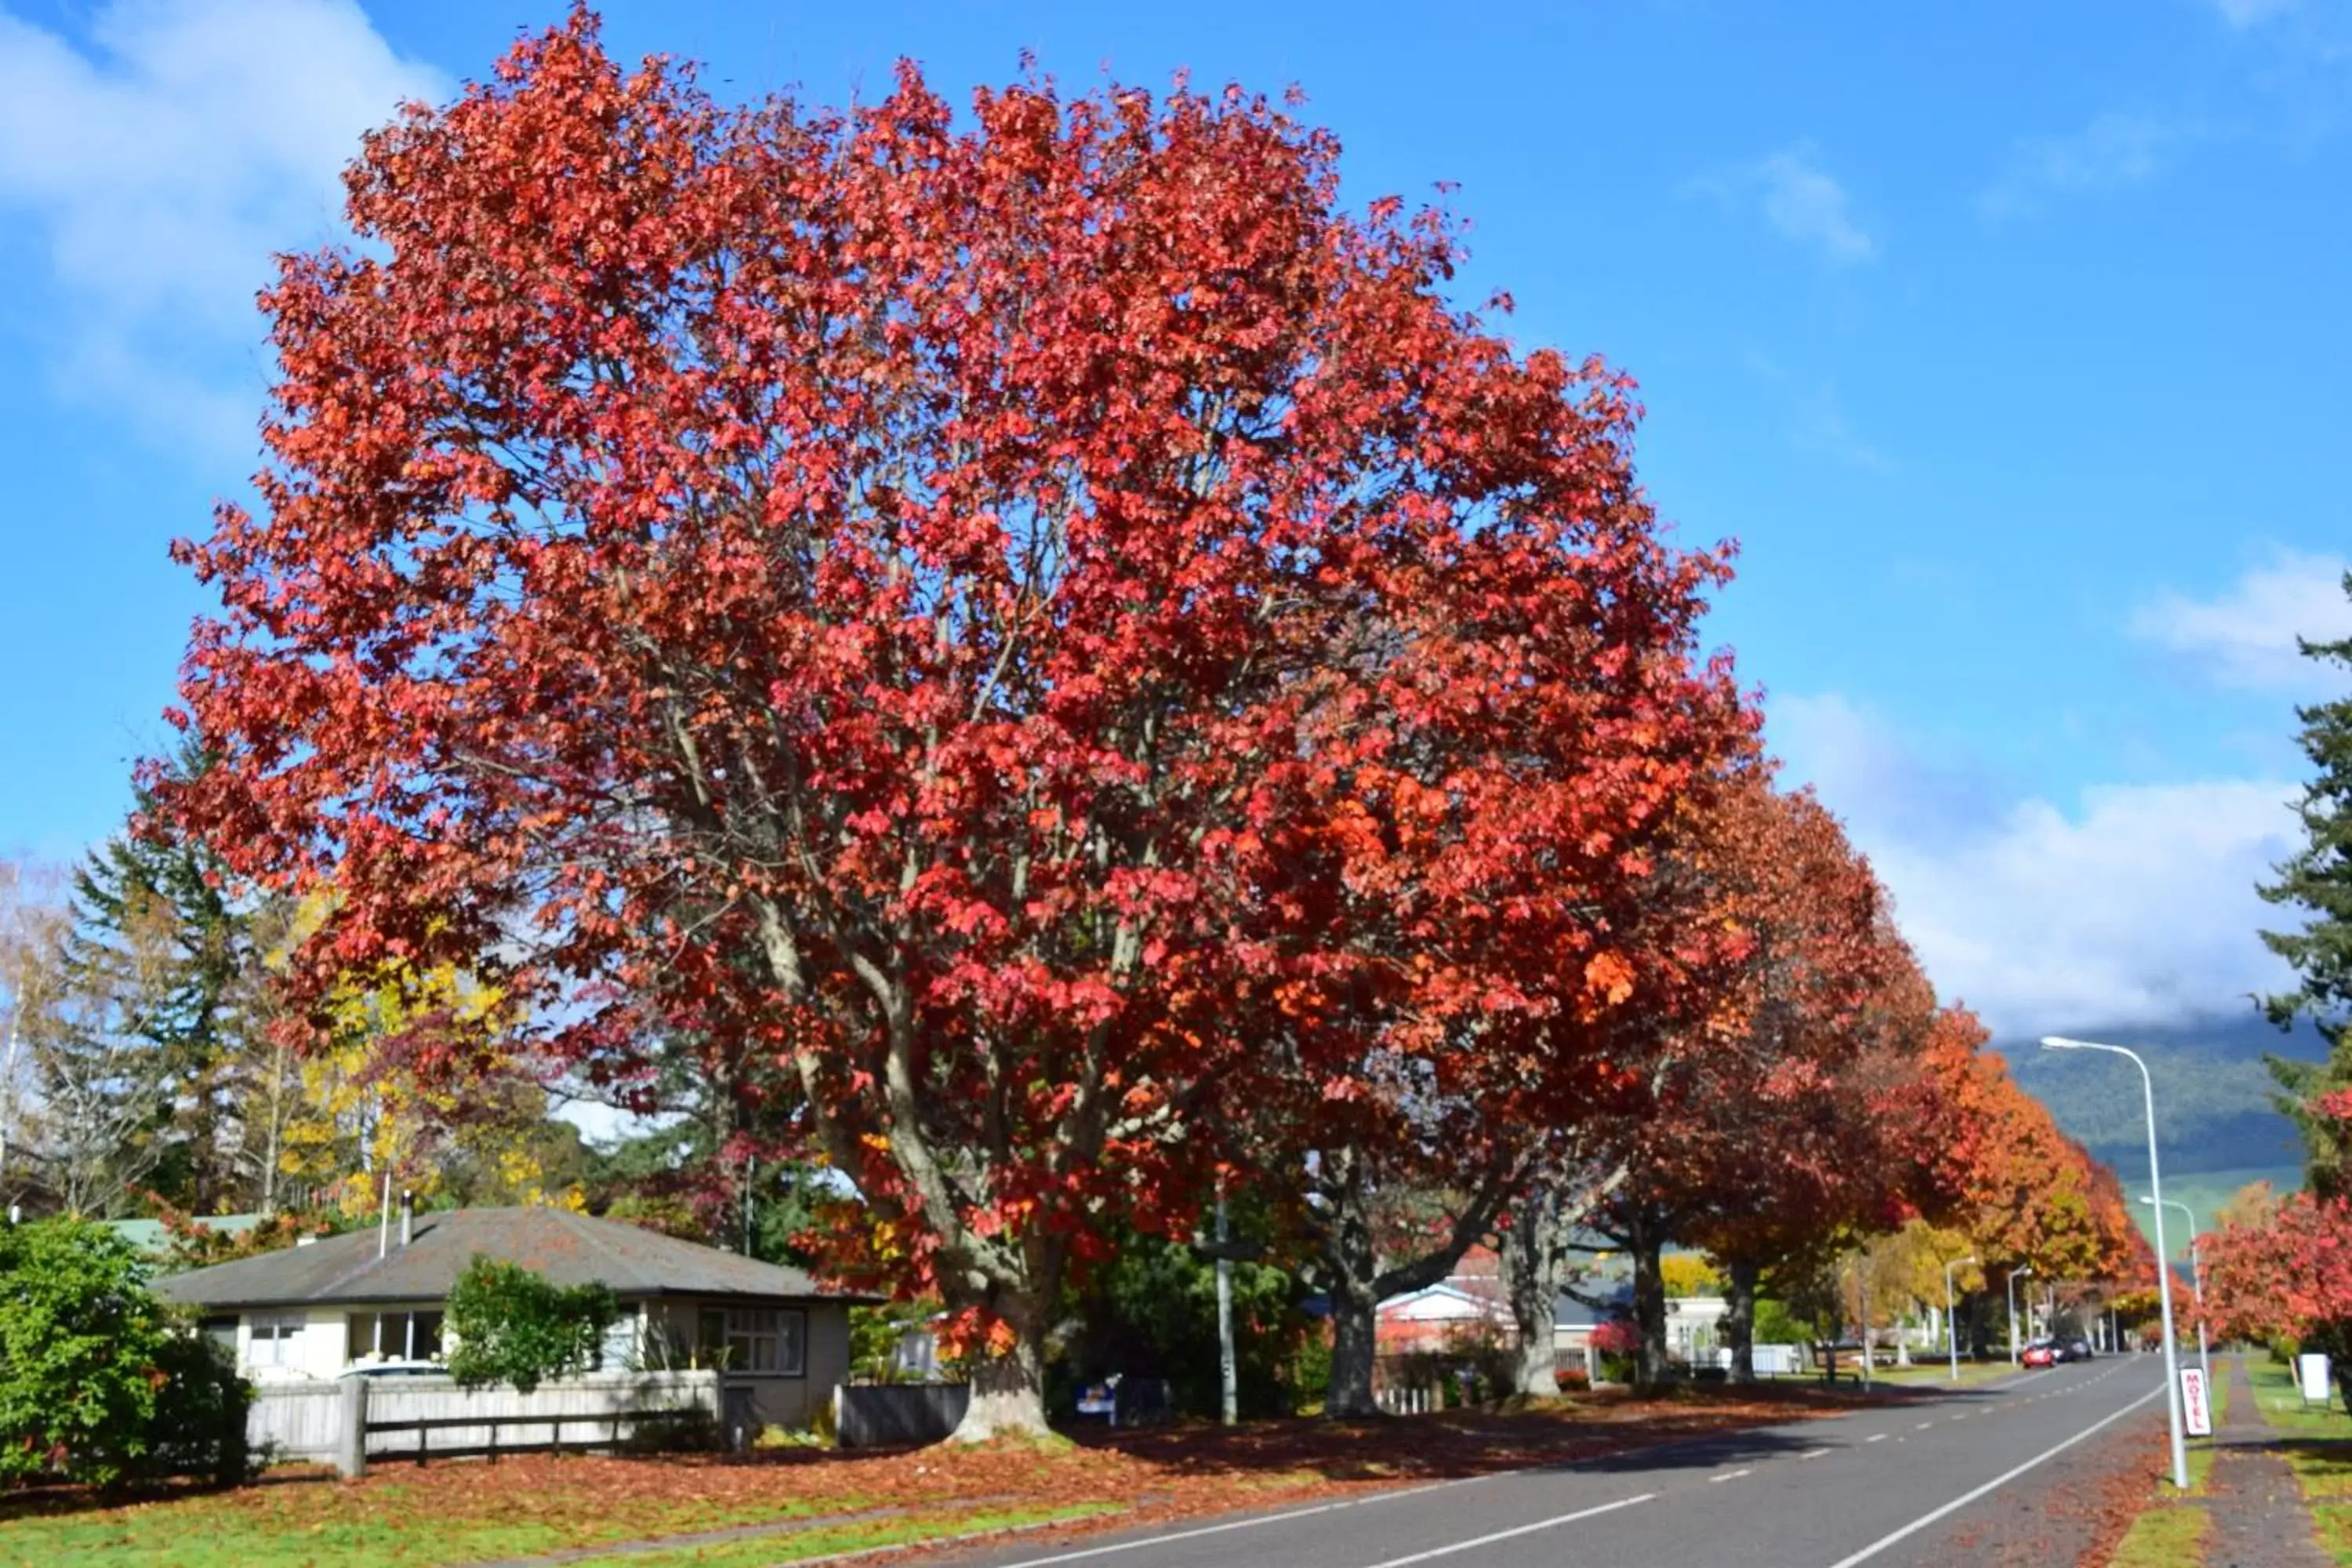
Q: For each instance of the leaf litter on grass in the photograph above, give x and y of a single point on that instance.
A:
(450, 1515)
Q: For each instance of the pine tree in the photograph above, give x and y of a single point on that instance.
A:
(167, 1038)
(2317, 880)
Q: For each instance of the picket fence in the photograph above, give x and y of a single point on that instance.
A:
(420, 1419)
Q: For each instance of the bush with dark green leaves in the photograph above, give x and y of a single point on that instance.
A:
(512, 1325)
(101, 1382)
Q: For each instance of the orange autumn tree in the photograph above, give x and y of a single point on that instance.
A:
(888, 595)
(1741, 1121)
(2017, 1187)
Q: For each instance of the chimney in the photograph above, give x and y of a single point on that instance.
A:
(407, 1215)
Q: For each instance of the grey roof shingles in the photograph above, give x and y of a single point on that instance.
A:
(568, 1249)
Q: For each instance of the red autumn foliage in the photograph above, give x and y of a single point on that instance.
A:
(2021, 1189)
(948, 609)
(2286, 1271)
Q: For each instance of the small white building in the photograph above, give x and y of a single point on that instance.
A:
(779, 1340)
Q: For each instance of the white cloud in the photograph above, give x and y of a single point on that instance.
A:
(2136, 905)
(164, 162)
(2245, 14)
(1800, 201)
(1809, 207)
(2246, 637)
(2112, 152)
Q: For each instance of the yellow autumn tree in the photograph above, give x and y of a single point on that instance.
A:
(410, 1074)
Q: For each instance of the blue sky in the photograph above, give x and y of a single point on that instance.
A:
(2010, 342)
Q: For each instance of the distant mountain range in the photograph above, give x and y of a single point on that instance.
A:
(2217, 1128)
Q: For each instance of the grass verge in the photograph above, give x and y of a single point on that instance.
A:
(871, 1536)
(2166, 1536)
(403, 1524)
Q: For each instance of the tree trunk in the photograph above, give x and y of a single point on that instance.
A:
(1008, 1393)
(1532, 1267)
(1650, 1368)
(1739, 1321)
(1353, 1263)
(1355, 1315)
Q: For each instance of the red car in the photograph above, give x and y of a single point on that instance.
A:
(2041, 1354)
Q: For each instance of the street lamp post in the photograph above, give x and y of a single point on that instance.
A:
(2163, 1274)
(1951, 1317)
(2197, 1283)
(2015, 1275)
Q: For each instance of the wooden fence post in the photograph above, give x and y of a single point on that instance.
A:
(351, 1453)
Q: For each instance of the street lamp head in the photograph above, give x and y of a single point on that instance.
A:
(2061, 1043)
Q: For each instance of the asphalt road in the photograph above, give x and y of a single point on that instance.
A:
(1962, 1478)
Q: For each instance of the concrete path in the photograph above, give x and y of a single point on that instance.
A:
(2260, 1520)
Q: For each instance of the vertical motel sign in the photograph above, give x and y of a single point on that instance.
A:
(2194, 1406)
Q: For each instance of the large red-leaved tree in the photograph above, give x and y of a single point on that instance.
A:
(869, 591)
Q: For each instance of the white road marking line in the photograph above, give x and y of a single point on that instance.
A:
(1436, 1552)
(1726, 1476)
(1924, 1521)
(1814, 1453)
(1922, 1426)
(1877, 1437)
(1117, 1546)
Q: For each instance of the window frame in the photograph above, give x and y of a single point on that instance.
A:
(743, 1332)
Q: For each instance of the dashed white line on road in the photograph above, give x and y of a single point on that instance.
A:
(1922, 1426)
(1814, 1453)
(1726, 1476)
(1875, 1437)
(1436, 1552)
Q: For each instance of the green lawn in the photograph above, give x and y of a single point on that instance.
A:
(191, 1534)
(1928, 1375)
(401, 1525)
(2166, 1536)
(2282, 1405)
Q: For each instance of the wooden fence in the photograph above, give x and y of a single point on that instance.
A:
(355, 1420)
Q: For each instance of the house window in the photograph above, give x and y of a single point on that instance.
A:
(270, 1342)
(755, 1338)
(395, 1336)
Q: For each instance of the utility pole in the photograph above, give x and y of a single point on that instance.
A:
(1229, 1406)
(1951, 1313)
(1861, 1289)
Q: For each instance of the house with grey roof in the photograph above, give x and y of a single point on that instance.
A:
(340, 1305)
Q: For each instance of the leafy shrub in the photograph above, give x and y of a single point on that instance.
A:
(1776, 1325)
(199, 1423)
(1310, 1369)
(99, 1383)
(1616, 1367)
(1572, 1380)
(1618, 1336)
(511, 1325)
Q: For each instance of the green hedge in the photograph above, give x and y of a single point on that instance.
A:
(101, 1381)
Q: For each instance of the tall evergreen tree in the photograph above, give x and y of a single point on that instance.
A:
(2317, 880)
(171, 967)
